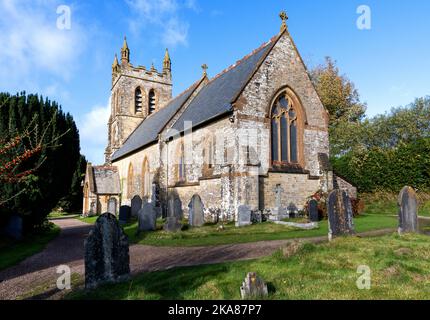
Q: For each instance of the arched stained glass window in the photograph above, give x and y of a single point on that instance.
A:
(284, 132)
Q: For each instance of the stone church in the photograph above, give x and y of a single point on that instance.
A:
(256, 135)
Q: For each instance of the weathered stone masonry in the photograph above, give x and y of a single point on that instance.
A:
(228, 160)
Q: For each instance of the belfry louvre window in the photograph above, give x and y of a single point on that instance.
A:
(138, 103)
(284, 122)
(151, 102)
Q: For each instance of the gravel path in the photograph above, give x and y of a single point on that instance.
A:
(35, 277)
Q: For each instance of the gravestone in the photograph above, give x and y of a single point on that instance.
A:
(257, 217)
(173, 224)
(177, 209)
(13, 228)
(93, 209)
(253, 287)
(408, 206)
(147, 218)
(278, 195)
(243, 216)
(278, 213)
(196, 212)
(174, 214)
(340, 215)
(107, 257)
(313, 210)
(292, 211)
(124, 214)
(112, 204)
(136, 205)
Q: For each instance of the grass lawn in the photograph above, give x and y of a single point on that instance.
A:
(399, 270)
(12, 252)
(61, 215)
(89, 220)
(209, 235)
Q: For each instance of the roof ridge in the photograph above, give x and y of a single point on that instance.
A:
(238, 62)
(173, 99)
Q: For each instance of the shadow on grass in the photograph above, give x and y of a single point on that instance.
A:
(175, 284)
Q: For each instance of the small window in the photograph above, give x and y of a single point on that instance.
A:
(138, 101)
(151, 102)
(130, 181)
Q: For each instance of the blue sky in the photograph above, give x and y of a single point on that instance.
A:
(388, 63)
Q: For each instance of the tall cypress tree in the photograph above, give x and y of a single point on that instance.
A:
(55, 165)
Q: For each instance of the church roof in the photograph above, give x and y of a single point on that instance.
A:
(106, 180)
(213, 100)
(147, 132)
(216, 98)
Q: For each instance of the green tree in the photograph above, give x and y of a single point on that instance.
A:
(73, 201)
(337, 93)
(44, 124)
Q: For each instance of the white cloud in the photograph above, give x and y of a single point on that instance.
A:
(31, 43)
(94, 132)
(163, 14)
(176, 33)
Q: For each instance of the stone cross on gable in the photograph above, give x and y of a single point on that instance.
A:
(278, 193)
(205, 68)
(284, 17)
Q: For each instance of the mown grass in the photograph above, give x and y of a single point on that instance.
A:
(399, 270)
(61, 215)
(208, 235)
(13, 252)
(89, 220)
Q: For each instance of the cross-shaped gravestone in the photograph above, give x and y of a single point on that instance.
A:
(278, 195)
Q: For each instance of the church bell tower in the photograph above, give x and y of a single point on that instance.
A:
(136, 93)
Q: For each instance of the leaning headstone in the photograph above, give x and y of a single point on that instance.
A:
(136, 205)
(253, 287)
(196, 212)
(243, 216)
(340, 215)
(408, 207)
(124, 214)
(147, 217)
(107, 257)
(313, 210)
(13, 228)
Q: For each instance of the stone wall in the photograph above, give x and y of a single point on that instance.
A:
(242, 175)
(297, 188)
(137, 160)
(282, 69)
(124, 120)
